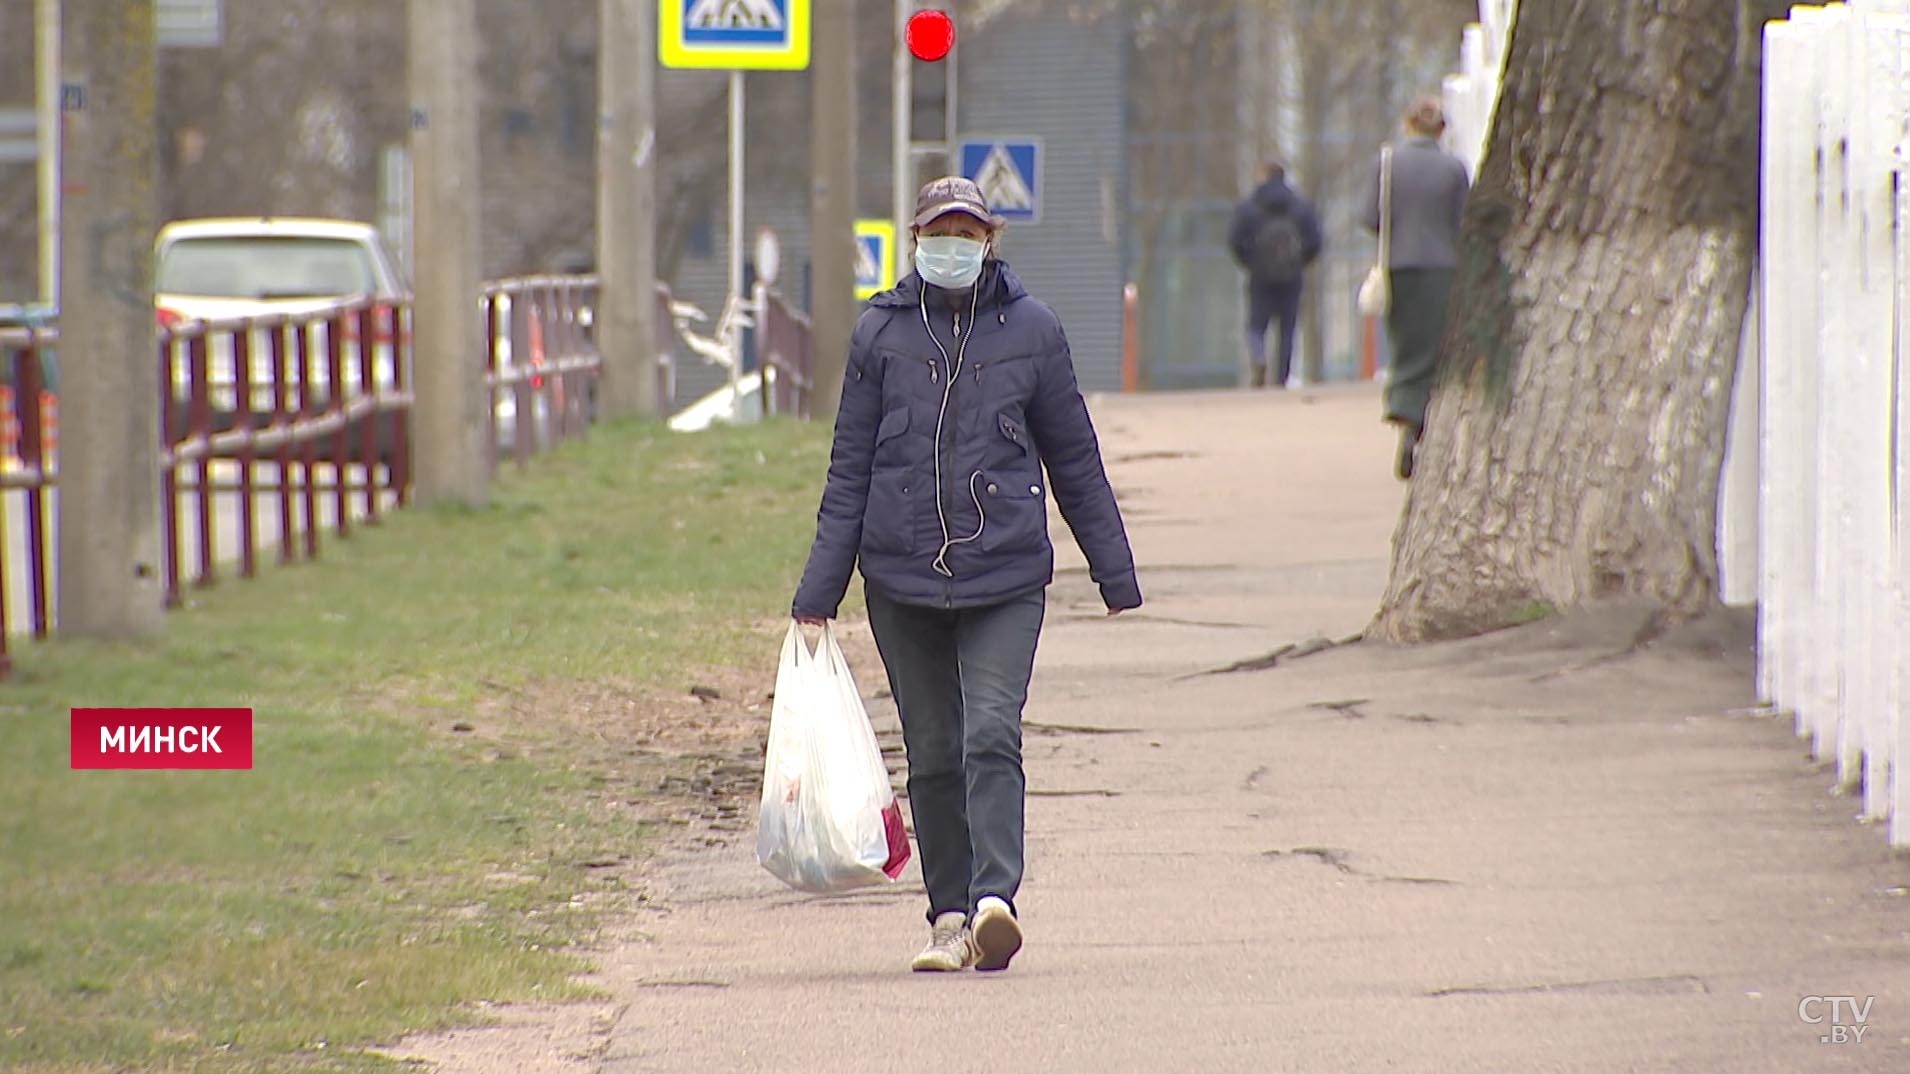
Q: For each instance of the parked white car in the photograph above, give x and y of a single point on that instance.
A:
(220, 269)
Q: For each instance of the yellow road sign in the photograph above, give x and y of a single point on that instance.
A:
(748, 35)
(876, 268)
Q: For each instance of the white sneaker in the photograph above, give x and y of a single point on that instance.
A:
(997, 935)
(948, 950)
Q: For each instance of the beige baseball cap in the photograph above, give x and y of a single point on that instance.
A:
(952, 194)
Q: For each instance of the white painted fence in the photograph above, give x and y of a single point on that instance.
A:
(1471, 93)
(1834, 505)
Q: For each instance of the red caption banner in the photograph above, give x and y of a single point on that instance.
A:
(162, 738)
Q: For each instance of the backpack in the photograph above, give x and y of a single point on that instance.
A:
(1278, 253)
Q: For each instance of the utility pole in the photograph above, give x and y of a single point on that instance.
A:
(109, 577)
(832, 200)
(451, 399)
(626, 324)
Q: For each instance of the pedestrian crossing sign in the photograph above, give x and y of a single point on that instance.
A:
(1009, 172)
(875, 257)
(747, 35)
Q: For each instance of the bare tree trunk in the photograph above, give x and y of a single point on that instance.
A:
(1574, 443)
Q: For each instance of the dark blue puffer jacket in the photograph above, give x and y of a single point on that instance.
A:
(996, 383)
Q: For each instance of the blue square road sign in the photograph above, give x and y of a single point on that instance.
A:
(1008, 170)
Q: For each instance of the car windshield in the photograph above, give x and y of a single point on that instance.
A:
(267, 267)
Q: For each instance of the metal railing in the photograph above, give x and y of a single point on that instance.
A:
(274, 429)
(784, 349)
(311, 410)
(543, 367)
(784, 380)
(25, 355)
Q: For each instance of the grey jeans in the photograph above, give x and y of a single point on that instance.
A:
(960, 680)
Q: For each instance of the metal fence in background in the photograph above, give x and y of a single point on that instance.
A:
(786, 357)
(275, 430)
(543, 367)
(26, 480)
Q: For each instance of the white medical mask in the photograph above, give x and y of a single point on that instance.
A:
(950, 261)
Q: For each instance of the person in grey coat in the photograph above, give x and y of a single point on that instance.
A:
(1429, 187)
(959, 390)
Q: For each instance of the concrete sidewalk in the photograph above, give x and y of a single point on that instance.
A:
(1530, 852)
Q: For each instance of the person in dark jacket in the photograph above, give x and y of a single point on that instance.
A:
(1428, 196)
(959, 390)
(1274, 236)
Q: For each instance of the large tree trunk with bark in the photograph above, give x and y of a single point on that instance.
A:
(1573, 447)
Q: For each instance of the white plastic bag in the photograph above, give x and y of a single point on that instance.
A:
(1375, 296)
(829, 820)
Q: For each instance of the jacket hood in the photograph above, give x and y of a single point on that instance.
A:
(1000, 287)
(1273, 195)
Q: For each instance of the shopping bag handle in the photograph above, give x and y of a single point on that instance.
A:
(829, 654)
(795, 640)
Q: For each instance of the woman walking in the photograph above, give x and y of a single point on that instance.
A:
(959, 389)
(1428, 196)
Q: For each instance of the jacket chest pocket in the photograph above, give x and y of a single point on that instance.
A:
(1012, 445)
(911, 379)
(1005, 381)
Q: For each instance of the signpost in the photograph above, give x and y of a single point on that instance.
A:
(769, 257)
(1009, 172)
(926, 35)
(901, 133)
(738, 36)
(769, 264)
(876, 268)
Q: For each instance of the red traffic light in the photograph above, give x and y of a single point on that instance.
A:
(931, 35)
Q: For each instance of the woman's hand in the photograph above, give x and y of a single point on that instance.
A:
(811, 620)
